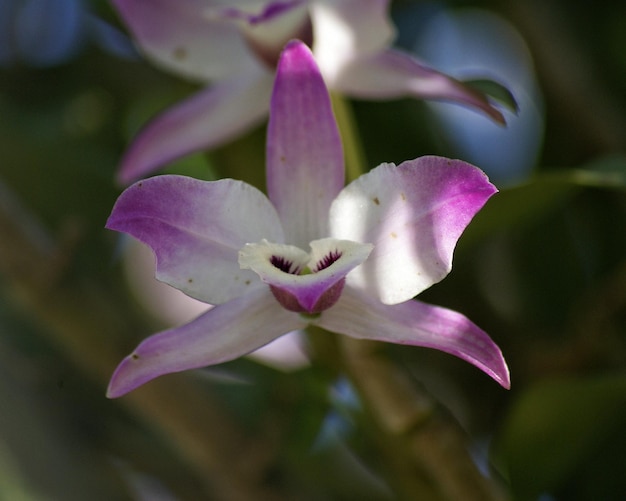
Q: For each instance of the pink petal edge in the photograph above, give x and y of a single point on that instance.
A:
(195, 229)
(305, 169)
(414, 215)
(223, 333)
(203, 121)
(417, 324)
(393, 74)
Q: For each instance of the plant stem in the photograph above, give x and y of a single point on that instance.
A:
(353, 149)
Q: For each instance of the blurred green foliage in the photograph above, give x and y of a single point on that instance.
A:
(542, 269)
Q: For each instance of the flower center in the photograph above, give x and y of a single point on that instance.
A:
(290, 301)
(267, 32)
(305, 282)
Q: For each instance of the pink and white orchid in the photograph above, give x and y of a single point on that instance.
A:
(347, 259)
(235, 45)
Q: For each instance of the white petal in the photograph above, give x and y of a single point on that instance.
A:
(345, 29)
(417, 324)
(180, 36)
(223, 333)
(414, 215)
(196, 229)
(203, 121)
(392, 74)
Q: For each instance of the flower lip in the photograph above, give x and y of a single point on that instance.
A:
(283, 264)
(327, 260)
(301, 281)
(286, 265)
(291, 302)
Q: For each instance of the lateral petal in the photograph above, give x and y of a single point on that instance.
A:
(305, 169)
(413, 214)
(393, 74)
(224, 333)
(196, 229)
(417, 324)
(181, 37)
(205, 120)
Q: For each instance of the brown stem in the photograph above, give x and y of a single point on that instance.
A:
(424, 438)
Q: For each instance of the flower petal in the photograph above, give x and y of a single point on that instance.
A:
(393, 74)
(413, 214)
(196, 229)
(417, 324)
(279, 266)
(224, 333)
(305, 169)
(181, 37)
(205, 120)
(344, 29)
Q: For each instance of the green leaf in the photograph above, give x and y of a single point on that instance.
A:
(496, 91)
(612, 168)
(555, 427)
(524, 203)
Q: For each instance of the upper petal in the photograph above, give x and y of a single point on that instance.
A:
(345, 29)
(413, 214)
(305, 169)
(224, 333)
(394, 74)
(418, 324)
(196, 229)
(181, 37)
(207, 119)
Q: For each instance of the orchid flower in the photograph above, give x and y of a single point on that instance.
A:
(235, 45)
(347, 259)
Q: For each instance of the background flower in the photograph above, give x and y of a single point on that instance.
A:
(236, 47)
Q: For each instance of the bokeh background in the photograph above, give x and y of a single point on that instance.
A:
(542, 269)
